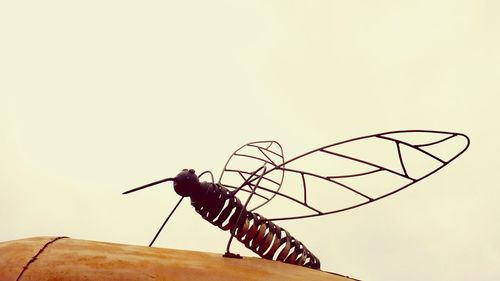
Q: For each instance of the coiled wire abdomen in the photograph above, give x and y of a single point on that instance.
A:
(218, 206)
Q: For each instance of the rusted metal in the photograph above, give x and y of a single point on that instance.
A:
(220, 207)
(263, 177)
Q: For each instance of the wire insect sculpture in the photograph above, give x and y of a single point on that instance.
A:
(257, 170)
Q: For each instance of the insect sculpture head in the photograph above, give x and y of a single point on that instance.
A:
(186, 183)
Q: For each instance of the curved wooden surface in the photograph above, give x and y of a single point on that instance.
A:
(58, 259)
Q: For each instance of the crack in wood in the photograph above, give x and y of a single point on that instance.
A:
(38, 254)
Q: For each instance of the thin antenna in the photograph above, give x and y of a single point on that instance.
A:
(147, 185)
(165, 222)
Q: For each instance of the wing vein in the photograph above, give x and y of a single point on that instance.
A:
(257, 158)
(245, 190)
(263, 153)
(327, 179)
(355, 175)
(304, 187)
(266, 149)
(283, 195)
(415, 147)
(247, 173)
(436, 142)
(365, 162)
(401, 159)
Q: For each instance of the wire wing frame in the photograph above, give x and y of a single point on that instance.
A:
(247, 164)
(416, 154)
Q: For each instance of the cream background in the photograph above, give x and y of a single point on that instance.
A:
(102, 96)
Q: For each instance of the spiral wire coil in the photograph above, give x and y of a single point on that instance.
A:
(221, 208)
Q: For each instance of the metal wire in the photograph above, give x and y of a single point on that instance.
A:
(389, 137)
(265, 238)
(165, 222)
(218, 204)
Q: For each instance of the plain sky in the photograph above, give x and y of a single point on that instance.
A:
(97, 97)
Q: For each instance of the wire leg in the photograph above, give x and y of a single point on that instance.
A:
(228, 253)
(165, 222)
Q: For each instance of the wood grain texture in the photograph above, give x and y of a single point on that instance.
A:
(78, 260)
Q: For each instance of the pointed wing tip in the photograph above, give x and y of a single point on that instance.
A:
(456, 144)
(466, 140)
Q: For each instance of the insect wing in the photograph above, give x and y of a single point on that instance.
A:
(363, 170)
(242, 170)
